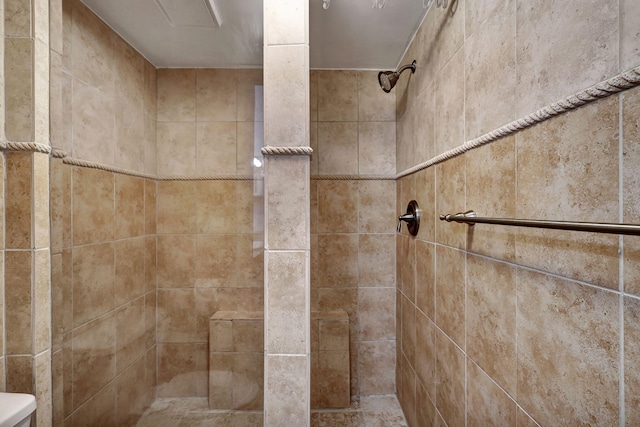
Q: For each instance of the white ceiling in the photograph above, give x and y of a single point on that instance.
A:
(350, 34)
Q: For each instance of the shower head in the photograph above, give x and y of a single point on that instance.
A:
(388, 79)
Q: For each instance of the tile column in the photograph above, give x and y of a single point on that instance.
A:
(287, 206)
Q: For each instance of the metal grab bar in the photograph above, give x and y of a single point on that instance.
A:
(471, 218)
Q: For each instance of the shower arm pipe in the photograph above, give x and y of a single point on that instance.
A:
(411, 66)
(471, 218)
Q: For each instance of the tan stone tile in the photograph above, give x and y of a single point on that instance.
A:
(176, 149)
(425, 278)
(407, 266)
(248, 335)
(313, 95)
(491, 319)
(94, 290)
(376, 260)
(150, 144)
(67, 374)
(130, 394)
(487, 404)
(150, 373)
(221, 379)
(337, 96)
(19, 374)
(246, 82)
(449, 126)
(374, 105)
(631, 360)
(491, 192)
(93, 206)
(337, 206)
(629, 51)
(129, 269)
(376, 207)
(285, 376)
(250, 262)
(17, 18)
(568, 340)
(450, 293)
(425, 197)
(150, 316)
(19, 115)
(337, 263)
(332, 380)
(450, 199)
(150, 263)
(313, 143)
(182, 370)
(524, 420)
(377, 314)
(100, 410)
(286, 119)
(56, 106)
(176, 207)
(285, 302)
(408, 331)
(216, 96)
(150, 89)
(216, 151)
(630, 185)
(216, 261)
(60, 206)
(41, 304)
(376, 148)
(425, 410)
(450, 380)
(425, 366)
(408, 385)
(176, 315)
(247, 381)
(41, 223)
(150, 188)
(558, 179)
(94, 357)
(333, 334)
(130, 328)
(376, 366)
(42, 382)
(67, 105)
(246, 150)
(57, 396)
(61, 301)
(216, 207)
(478, 11)
(93, 130)
(18, 200)
(490, 80)
(130, 205)
(176, 95)
(17, 302)
(547, 49)
(287, 203)
(92, 53)
(338, 148)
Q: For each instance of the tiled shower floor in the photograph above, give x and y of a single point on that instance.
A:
(369, 411)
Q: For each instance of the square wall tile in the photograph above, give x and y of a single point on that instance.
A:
(426, 278)
(377, 148)
(216, 148)
(376, 209)
(41, 301)
(216, 96)
(337, 96)
(129, 267)
(338, 148)
(450, 380)
(374, 105)
(182, 370)
(450, 293)
(376, 260)
(247, 82)
(176, 207)
(18, 300)
(426, 354)
(567, 167)
(629, 41)
(287, 376)
(491, 319)
(487, 404)
(176, 315)
(176, 148)
(130, 205)
(631, 360)
(451, 199)
(94, 291)
(93, 206)
(176, 95)
(130, 328)
(491, 191)
(546, 50)
(449, 128)
(568, 350)
(377, 360)
(216, 209)
(130, 393)
(94, 357)
(19, 374)
(18, 200)
(216, 261)
(18, 63)
(630, 186)
(337, 261)
(376, 309)
(337, 206)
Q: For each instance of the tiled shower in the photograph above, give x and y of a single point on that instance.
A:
(153, 204)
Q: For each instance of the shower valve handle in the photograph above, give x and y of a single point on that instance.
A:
(411, 217)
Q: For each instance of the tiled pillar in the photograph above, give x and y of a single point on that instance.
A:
(287, 206)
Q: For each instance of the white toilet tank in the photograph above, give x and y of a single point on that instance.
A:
(16, 409)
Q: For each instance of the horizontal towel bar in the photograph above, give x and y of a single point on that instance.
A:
(471, 218)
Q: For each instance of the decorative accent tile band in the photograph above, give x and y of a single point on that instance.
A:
(619, 83)
(353, 177)
(34, 147)
(93, 165)
(286, 151)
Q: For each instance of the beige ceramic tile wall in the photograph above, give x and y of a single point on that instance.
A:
(108, 87)
(507, 326)
(352, 222)
(206, 121)
(104, 295)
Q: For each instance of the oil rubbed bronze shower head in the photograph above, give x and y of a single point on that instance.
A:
(388, 79)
